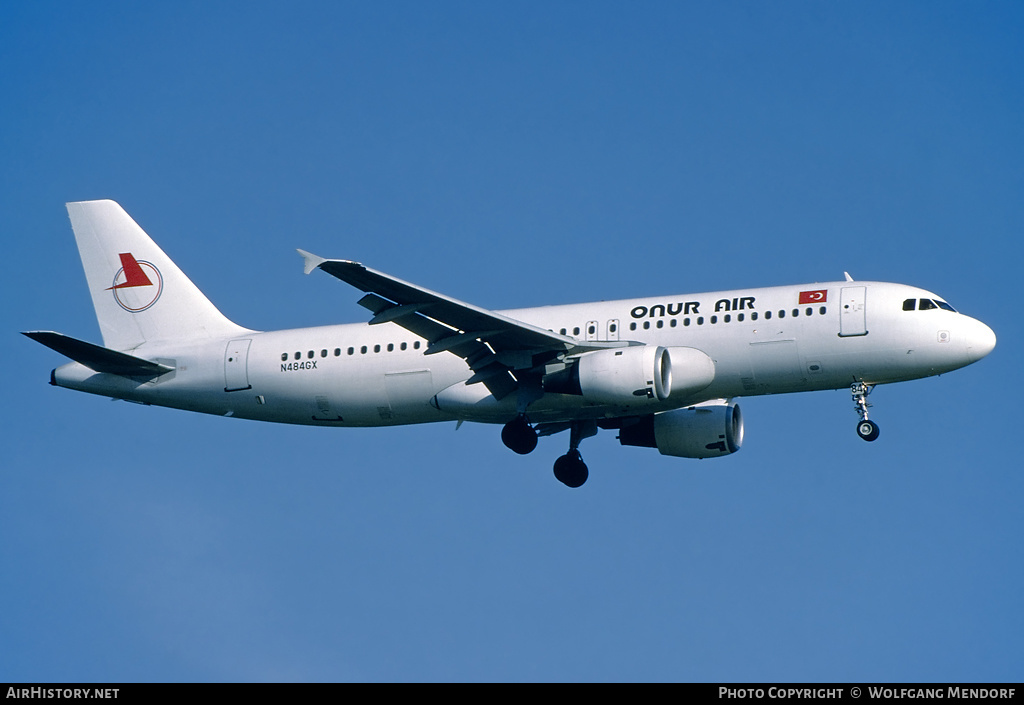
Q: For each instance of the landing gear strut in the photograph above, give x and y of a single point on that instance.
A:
(570, 469)
(519, 435)
(868, 430)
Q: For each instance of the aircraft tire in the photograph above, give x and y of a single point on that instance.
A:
(570, 469)
(868, 430)
(519, 436)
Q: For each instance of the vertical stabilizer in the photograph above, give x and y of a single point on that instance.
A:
(139, 294)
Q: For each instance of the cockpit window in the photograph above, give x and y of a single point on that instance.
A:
(926, 305)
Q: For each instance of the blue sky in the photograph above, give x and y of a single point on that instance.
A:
(514, 154)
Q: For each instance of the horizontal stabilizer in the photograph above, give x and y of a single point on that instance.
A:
(97, 358)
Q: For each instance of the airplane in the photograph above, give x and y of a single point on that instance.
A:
(664, 372)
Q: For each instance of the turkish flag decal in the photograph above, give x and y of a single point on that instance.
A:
(814, 297)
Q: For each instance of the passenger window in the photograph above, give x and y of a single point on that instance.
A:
(767, 315)
(632, 326)
(739, 317)
(351, 351)
(714, 319)
(700, 320)
(753, 316)
(727, 318)
(362, 350)
(403, 346)
(337, 352)
(298, 356)
(391, 347)
(809, 311)
(822, 310)
(376, 348)
(310, 354)
(284, 356)
(323, 353)
(660, 323)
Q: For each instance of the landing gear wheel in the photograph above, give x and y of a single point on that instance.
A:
(868, 430)
(570, 469)
(519, 435)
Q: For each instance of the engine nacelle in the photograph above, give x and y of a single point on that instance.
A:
(692, 371)
(706, 430)
(633, 375)
(641, 374)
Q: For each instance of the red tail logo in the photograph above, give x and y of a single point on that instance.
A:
(137, 277)
(133, 274)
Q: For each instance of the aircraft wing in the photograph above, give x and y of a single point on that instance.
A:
(494, 345)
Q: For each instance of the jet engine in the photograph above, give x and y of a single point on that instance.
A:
(626, 375)
(640, 374)
(633, 375)
(706, 430)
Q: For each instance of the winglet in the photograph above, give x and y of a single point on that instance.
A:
(848, 277)
(310, 261)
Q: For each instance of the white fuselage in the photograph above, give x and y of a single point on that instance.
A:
(762, 341)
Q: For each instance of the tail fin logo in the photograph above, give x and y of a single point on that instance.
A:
(137, 284)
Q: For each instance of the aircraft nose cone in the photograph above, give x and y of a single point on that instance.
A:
(980, 342)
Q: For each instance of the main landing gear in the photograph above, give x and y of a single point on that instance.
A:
(519, 435)
(570, 470)
(866, 429)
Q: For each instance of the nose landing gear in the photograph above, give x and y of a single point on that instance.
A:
(866, 429)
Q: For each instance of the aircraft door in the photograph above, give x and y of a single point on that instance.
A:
(236, 366)
(852, 315)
